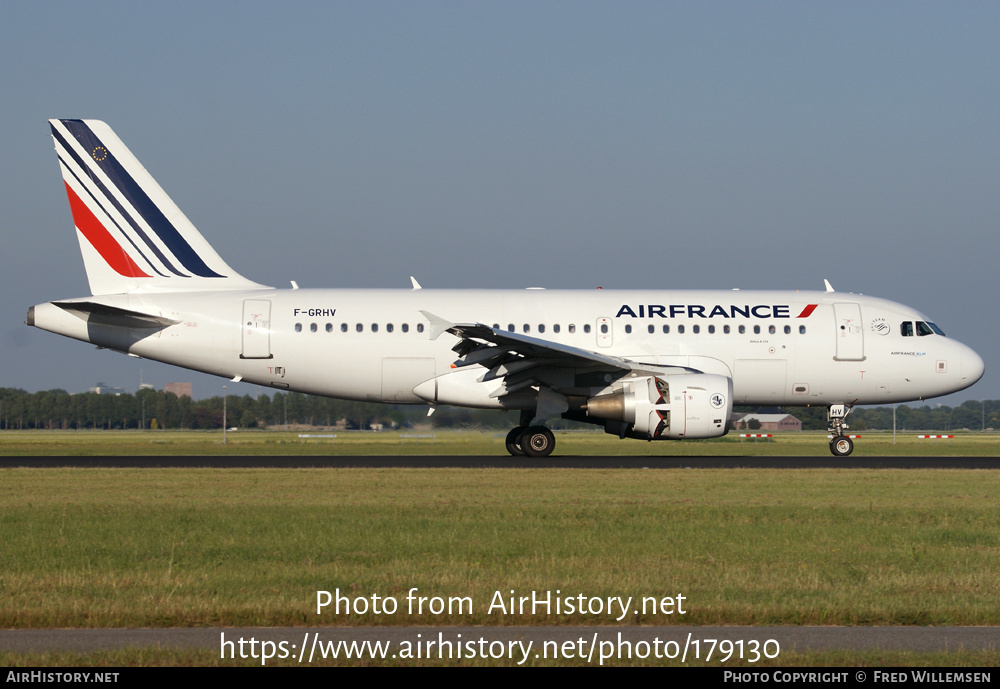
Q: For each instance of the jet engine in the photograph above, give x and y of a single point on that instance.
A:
(695, 405)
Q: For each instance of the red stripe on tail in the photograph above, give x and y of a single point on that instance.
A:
(99, 237)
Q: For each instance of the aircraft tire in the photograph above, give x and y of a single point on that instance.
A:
(841, 446)
(538, 441)
(512, 442)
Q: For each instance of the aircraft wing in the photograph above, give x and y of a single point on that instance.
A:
(492, 348)
(519, 362)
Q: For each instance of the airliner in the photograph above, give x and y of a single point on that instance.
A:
(644, 364)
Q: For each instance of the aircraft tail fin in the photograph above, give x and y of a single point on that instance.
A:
(132, 236)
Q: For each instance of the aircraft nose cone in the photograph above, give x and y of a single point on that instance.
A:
(973, 366)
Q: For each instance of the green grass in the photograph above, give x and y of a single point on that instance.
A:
(173, 547)
(235, 547)
(568, 443)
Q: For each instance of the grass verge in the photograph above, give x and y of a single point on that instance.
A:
(568, 443)
(201, 547)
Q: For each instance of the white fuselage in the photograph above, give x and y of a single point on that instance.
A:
(788, 348)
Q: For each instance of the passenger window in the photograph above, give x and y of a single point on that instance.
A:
(586, 328)
(541, 328)
(680, 329)
(802, 330)
(696, 329)
(420, 327)
(510, 327)
(666, 330)
(711, 330)
(405, 327)
(756, 330)
(652, 329)
(725, 329)
(312, 328)
(555, 328)
(527, 328)
(906, 327)
(771, 329)
(572, 328)
(743, 330)
(298, 327)
(388, 328)
(788, 330)
(628, 329)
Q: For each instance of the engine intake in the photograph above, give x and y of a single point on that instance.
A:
(695, 405)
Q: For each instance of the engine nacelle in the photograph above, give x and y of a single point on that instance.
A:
(695, 405)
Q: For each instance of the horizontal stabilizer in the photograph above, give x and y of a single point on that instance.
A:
(112, 315)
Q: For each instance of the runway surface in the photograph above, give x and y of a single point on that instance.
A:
(505, 462)
(920, 639)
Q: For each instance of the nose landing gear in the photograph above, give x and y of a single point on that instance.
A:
(841, 445)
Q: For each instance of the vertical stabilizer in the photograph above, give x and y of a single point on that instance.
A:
(132, 236)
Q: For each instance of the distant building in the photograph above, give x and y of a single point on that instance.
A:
(179, 389)
(105, 389)
(770, 422)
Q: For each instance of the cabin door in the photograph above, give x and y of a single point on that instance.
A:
(256, 329)
(850, 334)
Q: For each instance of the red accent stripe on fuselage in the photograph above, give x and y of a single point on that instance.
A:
(99, 238)
(807, 311)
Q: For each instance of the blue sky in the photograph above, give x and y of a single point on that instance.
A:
(561, 144)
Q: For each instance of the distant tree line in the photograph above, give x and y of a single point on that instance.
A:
(152, 409)
(972, 414)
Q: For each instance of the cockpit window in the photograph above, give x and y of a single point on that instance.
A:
(922, 329)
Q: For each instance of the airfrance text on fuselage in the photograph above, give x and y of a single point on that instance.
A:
(717, 311)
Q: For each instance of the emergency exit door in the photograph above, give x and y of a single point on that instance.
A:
(605, 334)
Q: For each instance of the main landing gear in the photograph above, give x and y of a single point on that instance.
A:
(841, 445)
(530, 441)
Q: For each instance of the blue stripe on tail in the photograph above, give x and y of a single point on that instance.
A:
(131, 190)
